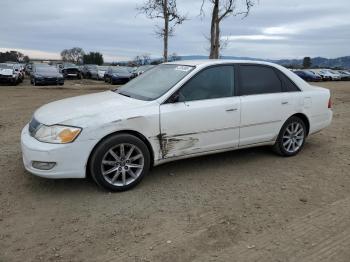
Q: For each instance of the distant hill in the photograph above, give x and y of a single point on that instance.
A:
(343, 61)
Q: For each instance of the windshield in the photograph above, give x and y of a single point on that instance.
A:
(120, 70)
(155, 82)
(91, 67)
(46, 69)
(69, 65)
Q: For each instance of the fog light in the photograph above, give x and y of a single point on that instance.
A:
(43, 165)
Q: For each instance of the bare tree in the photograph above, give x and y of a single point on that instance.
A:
(146, 59)
(137, 60)
(220, 10)
(174, 57)
(74, 55)
(166, 10)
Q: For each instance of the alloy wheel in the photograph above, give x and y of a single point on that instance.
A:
(293, 137)
(122, 164)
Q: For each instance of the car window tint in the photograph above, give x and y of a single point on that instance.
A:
(288, 85)
(214, 82)
(255, 79)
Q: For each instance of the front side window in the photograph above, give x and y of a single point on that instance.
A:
(255, 79)
(211, 83)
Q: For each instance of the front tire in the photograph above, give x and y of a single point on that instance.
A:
(120, 162)
(291, 138)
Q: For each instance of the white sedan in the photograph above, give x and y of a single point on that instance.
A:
(173, 111)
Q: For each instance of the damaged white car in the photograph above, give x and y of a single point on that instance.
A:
(8, 74)
(175, 110)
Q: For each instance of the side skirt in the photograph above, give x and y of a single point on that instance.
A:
(171, 159)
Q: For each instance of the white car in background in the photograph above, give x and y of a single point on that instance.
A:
(173, 111)
(325, 75)
(331, 74)
(101, 70)
(9, 75)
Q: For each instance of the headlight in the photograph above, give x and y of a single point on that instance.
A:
(57, 134)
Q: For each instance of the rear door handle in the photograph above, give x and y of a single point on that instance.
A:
(231, 109)
(284, 102)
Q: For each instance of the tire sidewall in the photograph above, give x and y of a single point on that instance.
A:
(103, 147)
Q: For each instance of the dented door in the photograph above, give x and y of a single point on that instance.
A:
(199, 126)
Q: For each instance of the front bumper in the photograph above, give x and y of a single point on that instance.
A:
(70, 159)
(49, 81)
(7, 79)
(119, 80)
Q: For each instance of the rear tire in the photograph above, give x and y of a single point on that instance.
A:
(291, 138)
(119, 162)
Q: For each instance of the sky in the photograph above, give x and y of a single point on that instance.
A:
(274, 29)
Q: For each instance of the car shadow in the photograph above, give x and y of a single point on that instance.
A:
(159, 174)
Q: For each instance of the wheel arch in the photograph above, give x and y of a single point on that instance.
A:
(130, 132)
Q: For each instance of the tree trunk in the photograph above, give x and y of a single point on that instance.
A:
(217, 39)
(213, 30)
(166, 30)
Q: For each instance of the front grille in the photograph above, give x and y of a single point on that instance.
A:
(33, 126)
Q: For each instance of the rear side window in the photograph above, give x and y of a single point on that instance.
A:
(211, 83)
(256, 79)
(288, 85)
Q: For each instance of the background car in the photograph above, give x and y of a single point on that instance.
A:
(324, 75)
(332, 75)
(101, 70)
(90, 71)
(46, 75)
(8, 74)
(308, 76)
(71, 71)
(117, 75)
(345, 75)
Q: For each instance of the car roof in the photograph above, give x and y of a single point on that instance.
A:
(207, 62)
(199, 64)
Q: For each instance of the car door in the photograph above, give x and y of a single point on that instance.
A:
(203, 116)
(262, 103)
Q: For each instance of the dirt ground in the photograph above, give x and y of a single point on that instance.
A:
(248, 205)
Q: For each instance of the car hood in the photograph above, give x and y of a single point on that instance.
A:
(87, 110)
(121, 75)
(47, 74)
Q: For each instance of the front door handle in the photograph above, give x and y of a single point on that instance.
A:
(231, 109)
(284, 102)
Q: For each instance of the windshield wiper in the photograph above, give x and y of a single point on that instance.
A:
(123, 94)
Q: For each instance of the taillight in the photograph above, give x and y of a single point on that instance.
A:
(330, 103)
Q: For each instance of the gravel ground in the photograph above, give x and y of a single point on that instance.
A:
(247, 205)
